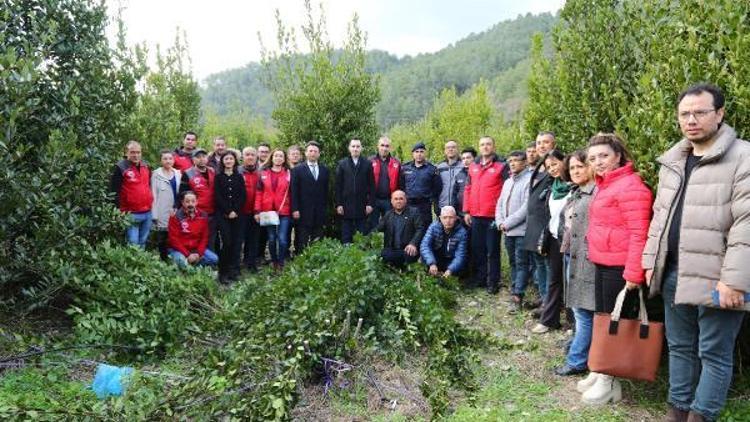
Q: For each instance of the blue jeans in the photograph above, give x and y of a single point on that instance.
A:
(541, 271)
(278, 239)
(209, 258)
(578, 355)
(351, 225)
(701, 352)
(137, 233)
(381, 207)
(519, 264)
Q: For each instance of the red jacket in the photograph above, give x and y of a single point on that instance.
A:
(204, 192)
(483, 187)
(251, 186)
(269, 199)
(188, 235)
(394, 171)
(182, 160)
(135, 191)
(619, 216)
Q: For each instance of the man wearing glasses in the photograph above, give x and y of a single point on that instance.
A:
(698, 253)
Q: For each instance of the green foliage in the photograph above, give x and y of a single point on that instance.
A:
(239, 127)
(125, 296)
(628, 80)
(64, 99)
(270, 338)
(321, 96)
(169, 102)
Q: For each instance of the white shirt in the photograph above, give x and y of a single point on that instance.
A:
(555, 208)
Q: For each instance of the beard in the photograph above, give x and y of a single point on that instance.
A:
(707, 137)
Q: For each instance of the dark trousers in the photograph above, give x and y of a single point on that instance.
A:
(485, 253)
(213, 229)
(608, 283)
(397, 257)
(554, 301)
(251, 235)
(161, 243)
(304, 235)
(425, 211)
(382, 205)
(262, 244)
(351, 225)
(231, 234)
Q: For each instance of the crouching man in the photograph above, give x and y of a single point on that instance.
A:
(187, 236)
(444, 246)
(403, 230)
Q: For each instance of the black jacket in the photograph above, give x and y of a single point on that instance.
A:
(309, 196)
(355, 187)
(538, 209)
(412, 233)
(229, 192)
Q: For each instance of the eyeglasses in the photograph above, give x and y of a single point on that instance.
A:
(697, 114)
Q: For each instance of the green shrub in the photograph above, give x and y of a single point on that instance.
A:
(126, 296)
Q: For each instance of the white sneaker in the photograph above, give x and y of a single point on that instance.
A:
(605, 389)
(540, 329)
(587, 382)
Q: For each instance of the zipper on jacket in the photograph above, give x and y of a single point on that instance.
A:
(669, 217)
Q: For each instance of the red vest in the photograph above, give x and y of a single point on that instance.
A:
(251, 186)
(269, 199)
(394, 170)
(188, 235)
(483, 188)
(135, 193)
(204, 191)
(183, 161)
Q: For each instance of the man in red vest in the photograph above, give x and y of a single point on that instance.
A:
(486, 177)
(386, 169)
(187, 237)
(183, 156)
(200, 179)
(131, 185)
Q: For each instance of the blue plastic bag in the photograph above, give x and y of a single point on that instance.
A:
(110, 380)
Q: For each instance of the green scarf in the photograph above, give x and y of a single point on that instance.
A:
(559, 189)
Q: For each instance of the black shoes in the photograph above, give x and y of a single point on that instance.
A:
(566, 370)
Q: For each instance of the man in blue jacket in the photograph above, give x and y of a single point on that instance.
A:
(421, 182)
(444, 246)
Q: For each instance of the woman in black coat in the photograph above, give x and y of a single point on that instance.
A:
(229, 196)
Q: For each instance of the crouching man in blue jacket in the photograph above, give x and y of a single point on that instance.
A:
(444, 246)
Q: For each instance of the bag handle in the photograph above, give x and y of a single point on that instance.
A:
(642, 313)
(285, 194)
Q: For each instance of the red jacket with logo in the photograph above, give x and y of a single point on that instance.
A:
(204, 191)
(394, 171)
(182, 160)
(268, 198)
(135, 192)
(619, 216)
(188, 234)
(251, 187)
(483, 187)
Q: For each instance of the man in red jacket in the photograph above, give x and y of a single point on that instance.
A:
(386, 169)
(187, 236)
(486, 177)
(131, 184)
(251, 230)
(183, 156)
(200, 180)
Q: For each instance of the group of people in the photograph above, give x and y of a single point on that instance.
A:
(581, 227)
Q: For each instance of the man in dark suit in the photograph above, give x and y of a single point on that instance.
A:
(355, 187)
(309, 196)
(403, 230)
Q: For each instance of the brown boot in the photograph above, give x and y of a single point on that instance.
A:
(695, 417)
(676, 415)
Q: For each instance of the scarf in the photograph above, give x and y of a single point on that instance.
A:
(559, 189)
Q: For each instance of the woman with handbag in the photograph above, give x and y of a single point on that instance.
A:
(272, 205)
(579, 271)
(619, 217)
(229, 197)
(549, 243)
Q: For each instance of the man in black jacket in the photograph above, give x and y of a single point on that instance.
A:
(403, 229)
(309, 196)
(355, 185)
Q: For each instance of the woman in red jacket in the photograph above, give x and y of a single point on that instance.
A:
(273, 195)
(619, 216)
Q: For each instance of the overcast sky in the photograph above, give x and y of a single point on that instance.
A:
(222, 34)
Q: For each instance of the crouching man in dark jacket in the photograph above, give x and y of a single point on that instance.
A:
(444, 246)
(403, 228)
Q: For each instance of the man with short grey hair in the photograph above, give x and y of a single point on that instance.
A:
(444, 248)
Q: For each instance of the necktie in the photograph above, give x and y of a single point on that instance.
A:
(314, 169)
